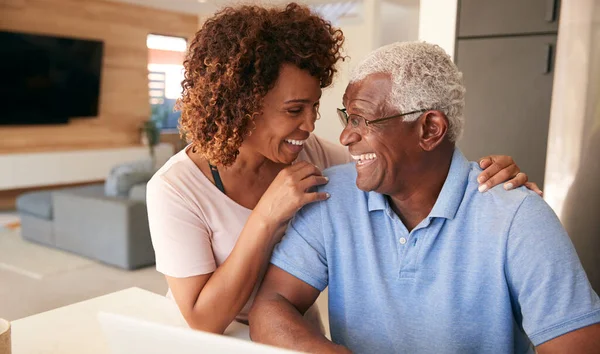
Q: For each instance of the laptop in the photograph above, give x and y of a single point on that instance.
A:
(126, 335)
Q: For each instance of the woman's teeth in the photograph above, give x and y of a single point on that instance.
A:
(295, 142)
(360, 159)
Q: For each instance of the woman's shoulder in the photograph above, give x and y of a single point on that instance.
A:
(323, 153)
(173, 171)
(179, 178)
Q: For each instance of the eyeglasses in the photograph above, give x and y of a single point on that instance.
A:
(355, 120)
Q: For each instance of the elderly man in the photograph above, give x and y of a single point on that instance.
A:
(416, 260)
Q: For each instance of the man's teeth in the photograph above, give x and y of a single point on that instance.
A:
(363, 157)
(295, 142)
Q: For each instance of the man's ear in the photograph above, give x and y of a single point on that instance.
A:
(434, 126)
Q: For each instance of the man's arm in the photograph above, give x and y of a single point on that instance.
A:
(583, 340)
(276, 317)
(560, 311)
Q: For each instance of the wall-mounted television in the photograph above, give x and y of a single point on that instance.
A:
(48, 79)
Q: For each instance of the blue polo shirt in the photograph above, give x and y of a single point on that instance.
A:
(491, 272)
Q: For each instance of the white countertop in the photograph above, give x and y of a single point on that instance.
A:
(75, 328)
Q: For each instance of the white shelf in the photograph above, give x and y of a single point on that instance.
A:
(63, 167)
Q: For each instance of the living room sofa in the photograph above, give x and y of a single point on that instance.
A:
(107, 222)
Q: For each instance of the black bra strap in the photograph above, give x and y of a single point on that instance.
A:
(217, 178)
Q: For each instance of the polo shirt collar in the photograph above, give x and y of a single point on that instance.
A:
(450, 196)
(376, 201)
(454, 188)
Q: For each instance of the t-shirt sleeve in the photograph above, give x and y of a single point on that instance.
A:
(180, 237)
(301, 252)
(549, 287)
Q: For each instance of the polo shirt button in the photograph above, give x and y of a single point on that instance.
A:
(402, 240)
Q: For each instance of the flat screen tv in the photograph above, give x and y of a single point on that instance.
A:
(48, 79)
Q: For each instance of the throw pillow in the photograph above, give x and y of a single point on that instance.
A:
(124, 176)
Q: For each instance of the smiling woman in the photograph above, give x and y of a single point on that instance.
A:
(234, 61)
(288, 116)
(253, 81)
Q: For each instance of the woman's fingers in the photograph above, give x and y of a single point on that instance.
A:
(311, 181)
(291, 190)
(519, 180)
(498, 177)
(485, 162)
(489, 171)
(315, 197)
(498, 169)
(534, 187)
(311, 196)
(301, 170)
(306, 187)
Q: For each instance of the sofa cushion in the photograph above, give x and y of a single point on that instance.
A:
(90, 190)
(124, 176)
(138, 192)
(37, 203)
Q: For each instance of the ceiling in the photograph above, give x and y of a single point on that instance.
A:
(209, 6)
(185, 6)
(331, 10)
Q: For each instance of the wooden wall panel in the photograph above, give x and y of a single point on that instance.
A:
(124, 84)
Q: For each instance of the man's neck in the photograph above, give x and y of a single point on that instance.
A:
(420, 190)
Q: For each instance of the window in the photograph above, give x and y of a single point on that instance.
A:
(165, 73)
(334, 11)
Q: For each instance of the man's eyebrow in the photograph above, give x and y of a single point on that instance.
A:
(360, 108)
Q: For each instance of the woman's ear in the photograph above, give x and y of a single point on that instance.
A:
(434, 126)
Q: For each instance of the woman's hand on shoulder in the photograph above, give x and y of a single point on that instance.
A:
(291, 190)
(503, 169)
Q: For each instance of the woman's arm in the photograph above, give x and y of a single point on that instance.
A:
(210, 302)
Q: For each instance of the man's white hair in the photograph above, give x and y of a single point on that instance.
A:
(423, 77)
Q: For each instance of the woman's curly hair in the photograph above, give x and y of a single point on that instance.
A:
(233, 62)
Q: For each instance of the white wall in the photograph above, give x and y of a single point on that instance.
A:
(378, 23)
(573, 158)
(575, 111)
(360, 33)
(437, 23)
(399, 21)
(65, 167)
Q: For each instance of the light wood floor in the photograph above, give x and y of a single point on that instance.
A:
(23, 295)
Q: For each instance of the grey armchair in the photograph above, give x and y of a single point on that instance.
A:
(106, 222)
(113, 230)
